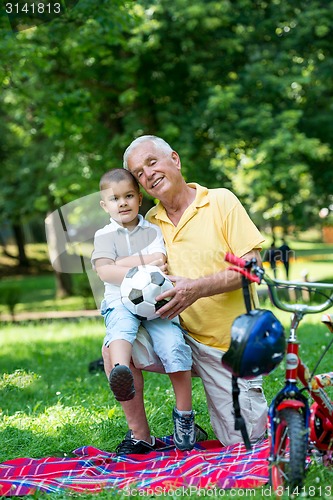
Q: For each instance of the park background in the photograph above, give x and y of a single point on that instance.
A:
(243, 90)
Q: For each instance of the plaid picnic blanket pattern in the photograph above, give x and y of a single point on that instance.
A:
(208, 465)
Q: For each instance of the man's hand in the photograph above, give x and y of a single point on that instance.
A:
(184, 293)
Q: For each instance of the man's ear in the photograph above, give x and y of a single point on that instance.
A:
(176, 159)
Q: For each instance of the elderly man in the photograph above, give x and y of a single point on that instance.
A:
(199, 226)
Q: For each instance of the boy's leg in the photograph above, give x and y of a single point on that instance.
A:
(121, 330)
(182, 386)
(184, 435)
(120, 352)
(121, 326)
(134, 409)
(169, 344)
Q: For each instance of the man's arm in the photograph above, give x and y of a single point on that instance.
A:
(187, 291)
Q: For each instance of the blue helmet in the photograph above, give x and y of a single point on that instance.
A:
(257, 344)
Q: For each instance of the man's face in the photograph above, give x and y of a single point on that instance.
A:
(157, 171)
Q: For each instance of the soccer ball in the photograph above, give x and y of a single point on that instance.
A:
(140, 287)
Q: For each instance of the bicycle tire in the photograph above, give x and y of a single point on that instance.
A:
(287, 468)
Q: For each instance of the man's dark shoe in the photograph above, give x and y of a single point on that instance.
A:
(122, 383)
(96, 365)
(131, 446)
(200, 433)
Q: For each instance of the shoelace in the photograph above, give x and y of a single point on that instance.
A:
(185, 424)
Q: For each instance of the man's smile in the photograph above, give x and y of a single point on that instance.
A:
(155, 183)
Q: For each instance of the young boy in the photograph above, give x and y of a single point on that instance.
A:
(128, 241)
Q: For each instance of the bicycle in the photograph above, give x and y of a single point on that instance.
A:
(296, 429)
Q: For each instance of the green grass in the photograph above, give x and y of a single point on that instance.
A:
(36, 285)
(51, 404)
(38, 293)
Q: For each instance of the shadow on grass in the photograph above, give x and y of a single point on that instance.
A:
(24, 440)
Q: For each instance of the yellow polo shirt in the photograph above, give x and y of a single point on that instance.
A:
(215, 223)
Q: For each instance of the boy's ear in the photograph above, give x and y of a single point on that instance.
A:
(140, 199)
(102, 204)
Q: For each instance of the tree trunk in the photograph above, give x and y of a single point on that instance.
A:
(19, 239)
(64, 285)
(60, 261)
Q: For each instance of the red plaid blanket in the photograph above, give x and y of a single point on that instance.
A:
(208, 465)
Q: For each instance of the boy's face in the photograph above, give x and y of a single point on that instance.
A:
(122, 201)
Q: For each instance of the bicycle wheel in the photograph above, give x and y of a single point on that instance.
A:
(287, 468)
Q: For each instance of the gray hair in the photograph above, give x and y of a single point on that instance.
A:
(159, 143)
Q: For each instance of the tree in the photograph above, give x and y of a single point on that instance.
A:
(235, 87)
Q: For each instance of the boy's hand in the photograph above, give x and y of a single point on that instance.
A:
(162, 265)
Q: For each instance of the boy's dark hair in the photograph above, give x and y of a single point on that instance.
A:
(117, 175)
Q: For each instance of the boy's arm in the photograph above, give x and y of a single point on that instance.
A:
(109, 272)
(154, 259)
(114, 272)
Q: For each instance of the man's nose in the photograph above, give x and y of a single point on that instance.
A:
(148, 171)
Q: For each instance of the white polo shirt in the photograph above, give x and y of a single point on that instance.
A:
(115, 241)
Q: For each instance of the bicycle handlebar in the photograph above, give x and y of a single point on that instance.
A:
(255, 273)
(237, 261)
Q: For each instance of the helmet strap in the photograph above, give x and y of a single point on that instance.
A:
(239, 420)
(246, 294)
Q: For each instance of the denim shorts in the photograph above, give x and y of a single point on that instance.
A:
(166, 335)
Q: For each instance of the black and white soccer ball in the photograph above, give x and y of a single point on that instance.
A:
(140, 287)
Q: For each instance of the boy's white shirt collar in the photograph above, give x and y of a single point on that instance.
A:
(142, 223)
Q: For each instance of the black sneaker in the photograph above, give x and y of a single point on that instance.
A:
(122, 383)
(133, 446)
(96, 365)
(200, 433)
(184, 435)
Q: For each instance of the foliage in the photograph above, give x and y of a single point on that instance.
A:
(328, 221)
(10, 295)
(243, 90)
